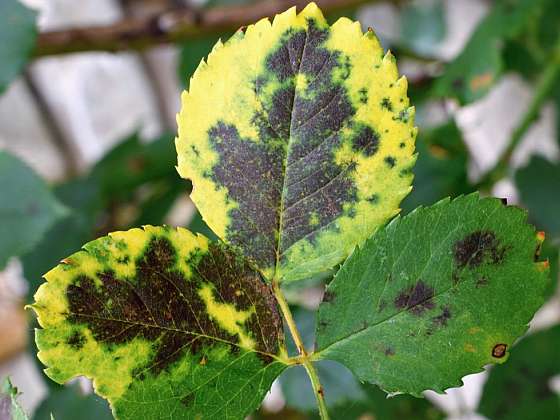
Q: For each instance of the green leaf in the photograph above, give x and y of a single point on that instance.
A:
(434, 296)
(18, 33)
(69, 403)
(536, 182)
(471, 75)
(9, 407)
(423, 25)
(520, 389)
(304, 149)
(164, 322)
(441, 169)
(376, 405)
(27, 208)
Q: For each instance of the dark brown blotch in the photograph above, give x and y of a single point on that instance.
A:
(416, 299)
(365, 140)
(477, 247)
(76, 340)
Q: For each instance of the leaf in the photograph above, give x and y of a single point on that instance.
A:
(376, 405)
(27, 208)
(434, 296)
(304, 149)
(423, 25)
(471, 75)
(441, 169)
(536, 182)
(164, 322)
(18, 33)
(9, 407)
(69, 403)
(521, 388)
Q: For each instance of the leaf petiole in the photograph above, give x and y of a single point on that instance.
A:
(304, 357)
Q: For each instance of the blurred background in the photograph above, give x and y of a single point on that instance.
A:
(89, 91)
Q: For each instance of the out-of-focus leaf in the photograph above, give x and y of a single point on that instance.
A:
(528, 53)
(539, 189)
(434, 296)
(376, 405)
(69, 403)
(27, 208)
(423, 25)
(84, 198)
(17, 35)
(471, 75)
(284, 151)
(441, 168)
(9, 407)
(163, 195)
(520, 389)
(132, 163)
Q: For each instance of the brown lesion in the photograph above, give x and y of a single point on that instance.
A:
(478, 247)
(416, 298)
(163, 306)
(499, 350)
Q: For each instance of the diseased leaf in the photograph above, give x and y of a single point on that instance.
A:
(304, 149)
(27, 208)
(18, 33)
(9, 407)
(166, 323)
(521, 389)
(471, 75)
(434, 296)
(539, 187)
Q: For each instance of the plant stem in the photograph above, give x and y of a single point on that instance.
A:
(304, 358)
(171, 26)
(545, 84)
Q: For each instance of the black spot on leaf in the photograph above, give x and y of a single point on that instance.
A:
(365, 140)
(477, 247)
(390, 161)
(416, 299)
(76, 340)
(499, 351)
(386, 104)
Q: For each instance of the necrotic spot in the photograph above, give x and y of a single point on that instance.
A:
(365, 140)
(390, 161)
(416, 299)
(476, 247)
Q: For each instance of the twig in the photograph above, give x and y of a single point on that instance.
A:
(57, 136)
(549, 76)
(137, 33)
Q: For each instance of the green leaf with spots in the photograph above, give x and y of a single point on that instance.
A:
(434, 296)
(304, 149)
(164, 322)
(18, 33)
(9, 407)
(27, 208)
(521, 389)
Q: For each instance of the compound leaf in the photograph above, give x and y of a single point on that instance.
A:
(434, 296)
(521, 389)
(18, 33)
(304, 149)
(164, 322)
(9, 406)
(27, 208)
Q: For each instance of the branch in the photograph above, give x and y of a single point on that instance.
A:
(138, 33)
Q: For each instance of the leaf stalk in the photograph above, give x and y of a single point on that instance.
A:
(304, 357)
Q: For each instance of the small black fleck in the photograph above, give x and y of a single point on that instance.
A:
(386, 103)
(390, 161)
